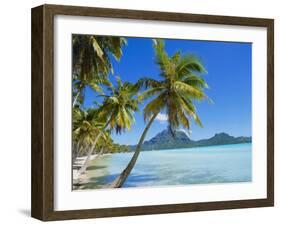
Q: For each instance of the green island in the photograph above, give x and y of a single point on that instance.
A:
(166, 140)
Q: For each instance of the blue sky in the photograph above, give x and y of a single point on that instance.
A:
(229, 78)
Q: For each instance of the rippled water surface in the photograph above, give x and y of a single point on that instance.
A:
(214, 164)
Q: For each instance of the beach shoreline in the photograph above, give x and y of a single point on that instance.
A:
(79, 161)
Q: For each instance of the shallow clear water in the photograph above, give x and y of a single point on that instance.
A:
(214, 164)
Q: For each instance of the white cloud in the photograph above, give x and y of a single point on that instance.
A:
(162, 117)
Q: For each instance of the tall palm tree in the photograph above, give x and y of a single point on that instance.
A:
(91, 61)
(181, 83)
(116, 111)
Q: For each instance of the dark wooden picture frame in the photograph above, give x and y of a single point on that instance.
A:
(42, 203)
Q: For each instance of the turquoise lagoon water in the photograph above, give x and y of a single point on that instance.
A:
(203, 165)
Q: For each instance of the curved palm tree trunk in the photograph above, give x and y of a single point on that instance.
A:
(75, 153)
(101, 152)
(119, 181)
(75, 149)
(88, 159)
(76, 98)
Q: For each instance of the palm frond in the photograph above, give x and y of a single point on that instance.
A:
(148, 82)
(189, 108)
(195, 81)
(154, 106)
(183, 119)
(189, 64)
(161, 57)
(188, 90)
(150, 92)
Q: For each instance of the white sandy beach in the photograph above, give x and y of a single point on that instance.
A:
(79, 161)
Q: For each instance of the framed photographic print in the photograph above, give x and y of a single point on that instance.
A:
(141, 112)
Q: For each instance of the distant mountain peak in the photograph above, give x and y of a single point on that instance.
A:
(222, 134)
(166, 137)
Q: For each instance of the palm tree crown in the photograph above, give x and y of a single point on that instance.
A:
(181, 84)
(120, 105)
(91, 62)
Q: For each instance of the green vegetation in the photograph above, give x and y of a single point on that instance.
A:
(91, 65)
(91, 62)
(180, 84)
(166, 140)
(115, 113)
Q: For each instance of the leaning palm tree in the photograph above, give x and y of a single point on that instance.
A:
(91, 62)
(104, 144)
(82, 129)
(181, 84)
(116, 111)
(85, 128)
